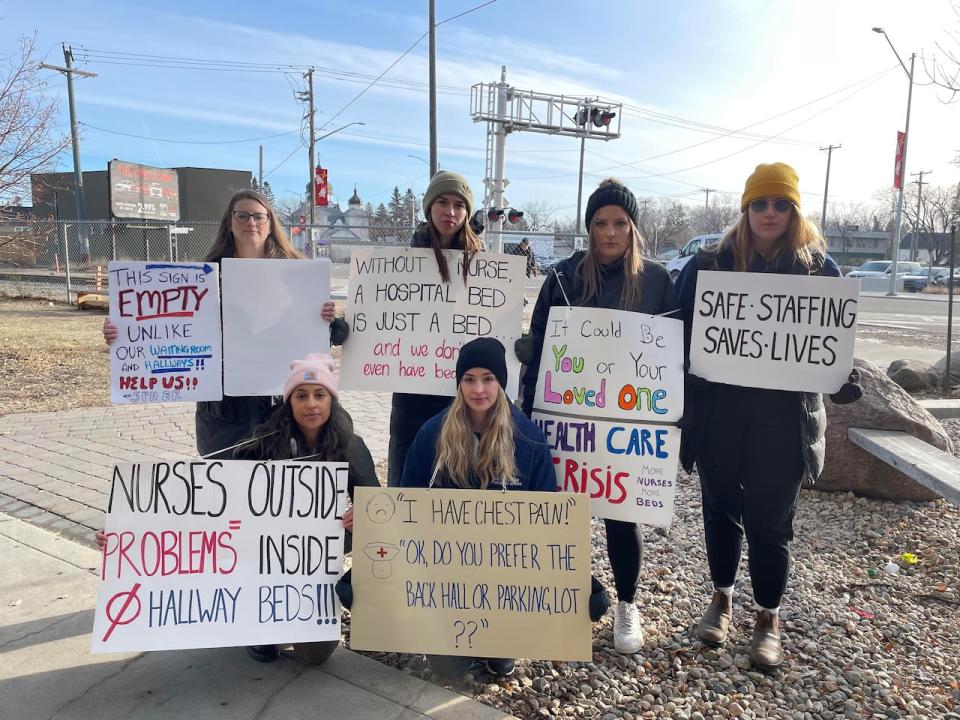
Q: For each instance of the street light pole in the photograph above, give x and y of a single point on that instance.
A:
(898, 223)
(826, 188)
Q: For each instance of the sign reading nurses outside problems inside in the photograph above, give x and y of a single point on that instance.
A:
(780, 332)
(143, 192)
(220, 553)
(601, 363)
(407, 325)
(168, 321)
(627, 470)
(479, 573)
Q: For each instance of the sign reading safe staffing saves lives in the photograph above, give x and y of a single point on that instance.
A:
(220, 553)
(780, 332)
(168, 342)
(481, 573)
(407, 325)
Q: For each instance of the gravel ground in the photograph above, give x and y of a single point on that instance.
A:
(861, 641)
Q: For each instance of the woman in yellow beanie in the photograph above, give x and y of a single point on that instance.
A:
(448, 207)
(754, 447)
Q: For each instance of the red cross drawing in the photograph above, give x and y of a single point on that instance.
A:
(382, 553)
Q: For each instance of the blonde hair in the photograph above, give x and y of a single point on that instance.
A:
(589, 268)
(803, 240)
(460, 457)
(277, 245)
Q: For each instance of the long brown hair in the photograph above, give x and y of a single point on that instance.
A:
(589, 268)
(803, 239)
(277, 244)
(465, 238)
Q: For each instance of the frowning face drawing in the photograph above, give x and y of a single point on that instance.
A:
(380, 508)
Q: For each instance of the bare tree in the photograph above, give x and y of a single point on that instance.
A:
(723, 212)
(29, 141)
(539, 215)
(943, 67)
(843, 220)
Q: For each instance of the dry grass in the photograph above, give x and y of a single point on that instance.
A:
(52, 357)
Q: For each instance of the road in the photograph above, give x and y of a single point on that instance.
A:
(925, 314)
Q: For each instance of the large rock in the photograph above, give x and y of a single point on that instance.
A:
(884, 406)
(940, 367)
(913, 375)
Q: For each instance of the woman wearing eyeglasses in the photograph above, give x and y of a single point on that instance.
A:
(754, 447)
(248, 229)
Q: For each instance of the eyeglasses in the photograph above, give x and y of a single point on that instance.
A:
(241, 217)
(781, 205)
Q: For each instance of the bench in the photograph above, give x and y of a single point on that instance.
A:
(931, 467)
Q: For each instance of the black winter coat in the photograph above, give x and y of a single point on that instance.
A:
(563, 285)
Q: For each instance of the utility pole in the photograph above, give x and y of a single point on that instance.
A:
(434, 164)
(310, 191)
(826, 188)
(916, 229)
(706, 204)
(583, 143)
(70, 71)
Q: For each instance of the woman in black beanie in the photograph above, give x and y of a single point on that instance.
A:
(610, 274)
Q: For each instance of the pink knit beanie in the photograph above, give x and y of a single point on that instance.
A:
(314, 369)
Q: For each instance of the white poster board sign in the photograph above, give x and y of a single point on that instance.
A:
(780, 332)
(407, 325)
(271, 316)
(479, 573)
(628, 470)
(220, 553)
(615, 364)
(168, 321)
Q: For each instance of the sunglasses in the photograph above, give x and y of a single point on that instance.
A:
(781, 205)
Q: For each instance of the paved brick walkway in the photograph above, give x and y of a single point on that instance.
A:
(55, 467)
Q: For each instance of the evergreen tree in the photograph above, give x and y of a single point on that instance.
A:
(397, 208)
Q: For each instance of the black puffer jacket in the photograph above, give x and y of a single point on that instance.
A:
(562, 286)
(809, 406)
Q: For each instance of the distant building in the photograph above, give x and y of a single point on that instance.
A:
(854, 246)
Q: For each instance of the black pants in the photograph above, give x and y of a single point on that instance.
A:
(625, 548)
(751, 467)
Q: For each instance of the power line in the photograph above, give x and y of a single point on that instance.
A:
(187, 142)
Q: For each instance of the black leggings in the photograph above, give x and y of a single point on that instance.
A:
(625, 549)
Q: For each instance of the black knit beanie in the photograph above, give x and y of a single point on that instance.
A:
(612, 194)
(484, 352)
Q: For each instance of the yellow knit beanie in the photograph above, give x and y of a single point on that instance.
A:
(776, 180)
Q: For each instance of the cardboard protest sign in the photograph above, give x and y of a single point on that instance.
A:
(615, 364)
(271, 317)
(220, 553)
(628, 470)
(479, 573)
(407, 325)
(781, 332)
(168, 321)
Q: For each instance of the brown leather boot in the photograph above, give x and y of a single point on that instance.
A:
(715, 623)
(766, 652)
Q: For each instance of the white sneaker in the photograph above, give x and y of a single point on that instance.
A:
(627, 633)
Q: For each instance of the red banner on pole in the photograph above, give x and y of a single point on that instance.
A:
(321, 190)
(898, 162)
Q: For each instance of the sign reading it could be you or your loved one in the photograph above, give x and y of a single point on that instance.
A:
(609, 393)
(478, 573)
(220, 553)
(168, 332)
(407, 325)
(779, 332)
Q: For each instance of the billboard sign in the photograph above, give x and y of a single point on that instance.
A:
(143, 192)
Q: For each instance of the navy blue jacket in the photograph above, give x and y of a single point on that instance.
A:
(532, 455)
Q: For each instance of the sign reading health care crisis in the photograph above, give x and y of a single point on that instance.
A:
(781, 332)
(168, 343)
(614, 364)
(220, 553)
(407, 325)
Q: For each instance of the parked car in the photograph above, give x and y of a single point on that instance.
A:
(915, 282)
(675, 265)
(941, 280)
(123, 186)
(882, 268)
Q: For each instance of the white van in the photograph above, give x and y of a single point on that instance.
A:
(688, 251)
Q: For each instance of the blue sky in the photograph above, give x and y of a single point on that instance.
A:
(726, 63)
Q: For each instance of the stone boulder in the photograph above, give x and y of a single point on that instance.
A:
(884, 406)
(913, 375)
(940, 367)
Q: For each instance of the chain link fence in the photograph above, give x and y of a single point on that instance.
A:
(59, 260)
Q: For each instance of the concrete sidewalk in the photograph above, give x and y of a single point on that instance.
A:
(46, 612)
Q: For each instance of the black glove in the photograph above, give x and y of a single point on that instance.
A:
(339, 331)
(523, 347)
(344, 589)
(851, 390)
(599, 601)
